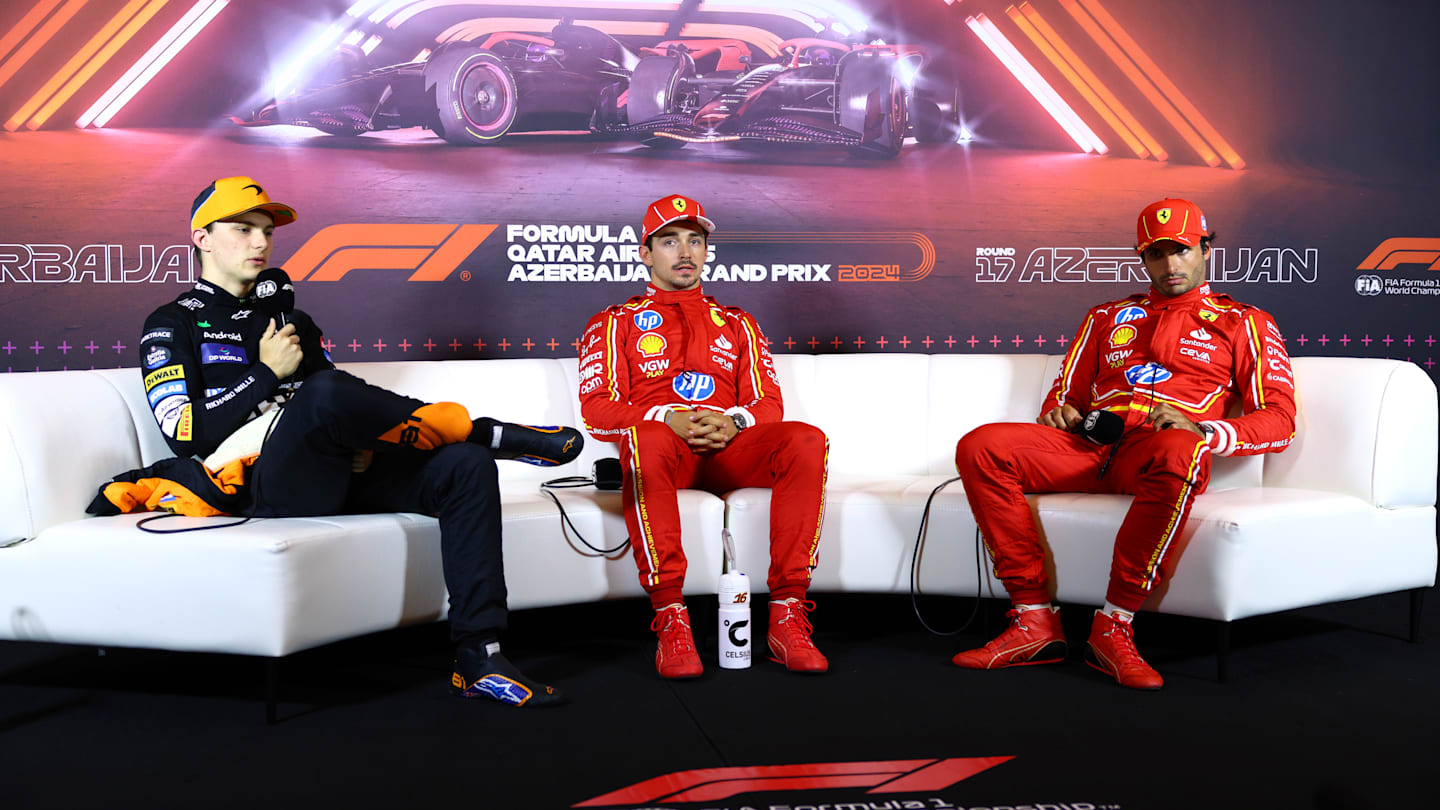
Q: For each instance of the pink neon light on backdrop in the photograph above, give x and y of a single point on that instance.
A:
(159, 63)
(1035, 85)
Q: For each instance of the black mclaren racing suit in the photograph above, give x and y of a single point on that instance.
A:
(200, 356)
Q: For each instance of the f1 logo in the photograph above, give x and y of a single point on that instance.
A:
(715, 784)
(433, 252)
(1400, 250)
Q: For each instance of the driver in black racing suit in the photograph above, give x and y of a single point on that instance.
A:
(213, 361)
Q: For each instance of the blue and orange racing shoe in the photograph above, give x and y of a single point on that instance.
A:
(541, 445)
(480, 671)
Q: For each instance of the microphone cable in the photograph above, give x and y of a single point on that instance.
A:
(143, 525)
(1149, 406)
(575, 482)
(915, 592)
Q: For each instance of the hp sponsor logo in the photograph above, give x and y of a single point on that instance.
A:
(648, 320)
(1129, 314)
(1368, 285)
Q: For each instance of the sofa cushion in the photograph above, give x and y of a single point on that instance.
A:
(1366, 428)
(269, 587)
(62, 434)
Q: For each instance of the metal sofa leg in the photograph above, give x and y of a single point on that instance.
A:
(1417, 603)
(1222, 651)
(272, 689)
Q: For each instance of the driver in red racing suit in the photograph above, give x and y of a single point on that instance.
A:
(1193, 373)
(689, 391)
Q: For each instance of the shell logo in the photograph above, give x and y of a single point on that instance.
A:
(651, 344)
(1122, 336)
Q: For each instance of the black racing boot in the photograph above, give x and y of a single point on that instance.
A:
(480, 671)
(541, 445)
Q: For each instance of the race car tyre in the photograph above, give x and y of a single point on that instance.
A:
(936, 112)
(655, 87)
(927, 123)
(870, 100)
(475, 98)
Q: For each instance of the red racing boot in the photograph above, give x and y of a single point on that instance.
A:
(789, 637)
(1033, 637)
(1111, 650)
(675, 656)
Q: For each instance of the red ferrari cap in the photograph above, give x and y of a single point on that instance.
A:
(674, 208)
(1171, 218)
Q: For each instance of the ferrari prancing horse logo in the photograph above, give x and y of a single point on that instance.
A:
(679, 203)
(1163, 215)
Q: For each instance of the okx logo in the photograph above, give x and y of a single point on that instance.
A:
(714, 784)
(430, 252)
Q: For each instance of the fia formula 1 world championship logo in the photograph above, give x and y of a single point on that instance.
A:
(1393, 253)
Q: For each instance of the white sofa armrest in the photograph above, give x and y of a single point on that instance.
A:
(1366, 428)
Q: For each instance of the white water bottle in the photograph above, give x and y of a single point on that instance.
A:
(734, 613)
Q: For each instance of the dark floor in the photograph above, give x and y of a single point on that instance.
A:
(1324, 708)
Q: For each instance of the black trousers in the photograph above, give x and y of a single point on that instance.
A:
(304, 470)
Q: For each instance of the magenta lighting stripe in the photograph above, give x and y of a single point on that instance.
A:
(1013, 61)
(144, 63)
(178, 44)
(27, 24)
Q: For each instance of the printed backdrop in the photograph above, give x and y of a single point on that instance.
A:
(1296, 125)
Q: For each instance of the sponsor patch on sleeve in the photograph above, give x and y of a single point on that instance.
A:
(168, 412)
(168, 389)
(157, 357)
(182, 432)
(158, 334)
(164, 375)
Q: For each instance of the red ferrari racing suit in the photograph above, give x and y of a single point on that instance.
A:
(679, 350)
(1221, 363)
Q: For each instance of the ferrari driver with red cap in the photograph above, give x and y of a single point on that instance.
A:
(1188, 373)
(689, 391)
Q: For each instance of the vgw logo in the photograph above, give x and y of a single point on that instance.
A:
(432, 252)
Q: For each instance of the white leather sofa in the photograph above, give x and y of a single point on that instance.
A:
(1347, 511)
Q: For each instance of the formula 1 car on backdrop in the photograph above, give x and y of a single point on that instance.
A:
(466, 92)
(865, 97)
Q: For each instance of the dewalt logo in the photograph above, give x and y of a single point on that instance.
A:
(428, 252)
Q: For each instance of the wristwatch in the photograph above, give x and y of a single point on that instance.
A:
(1209, 430)
(740, 421)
